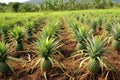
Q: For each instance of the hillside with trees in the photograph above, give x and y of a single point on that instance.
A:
(57, 5)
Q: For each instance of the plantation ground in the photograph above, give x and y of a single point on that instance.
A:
(24, 71)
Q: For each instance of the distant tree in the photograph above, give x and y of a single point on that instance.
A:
(16, 6)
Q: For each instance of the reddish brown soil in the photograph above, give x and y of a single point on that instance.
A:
(71, 71)
(69, 44)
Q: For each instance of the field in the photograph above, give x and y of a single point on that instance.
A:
(61, 45)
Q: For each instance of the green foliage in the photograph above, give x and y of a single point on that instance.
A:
(108, 26)
(80, 32)
(57, 5)
(0, 32)
(100, 22)
(95, 46)
(18, 33)
(50, 30)
(30, 26)
(46, 46)
(116, 35)
(116, 31)
(94, 25)
(4, 30)
(3, 51)
(96, 50)
(15, 6)
(116, 45)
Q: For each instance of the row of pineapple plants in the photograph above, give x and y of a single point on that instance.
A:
(94, 47)
(80, 34)
(18, 33)
(19, 30)
(5, 28)
(47, 44)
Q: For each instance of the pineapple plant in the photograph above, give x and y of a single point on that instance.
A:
(46, 47)
(116, 37)
(80, 34)
(4, 30)
(50, 30)
(108, 26)
(94, 25)
(0, 33)
(100, 23)
(30, 28)
(48, 44)
(4, 50)
(96, 50)
(36, 22)
(18, 33)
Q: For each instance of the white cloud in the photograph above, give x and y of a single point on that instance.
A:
(7, 1)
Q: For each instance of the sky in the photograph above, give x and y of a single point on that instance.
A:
(7, 1)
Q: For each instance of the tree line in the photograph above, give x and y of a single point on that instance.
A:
(56, 5)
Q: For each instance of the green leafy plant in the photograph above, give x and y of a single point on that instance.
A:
(94, 25)
(30, 28)
(50, 30)
(95, 47)
(108, 26)
(116, 36)
(95, 52)
(46, 47)
(4, 30)
(80, 34)
(0, 33)
(5, 59)
(100, 22)
(18, 34)
(36, 22)
(4, 50)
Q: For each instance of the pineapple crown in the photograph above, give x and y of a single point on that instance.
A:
(29, 25)
(116, 31)
(18, 33)
(94, 24)
(95, 46)
(108, 26)
(3, 51)
(50, 30)
(80, 32)
(4, 28)
(47, 45)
